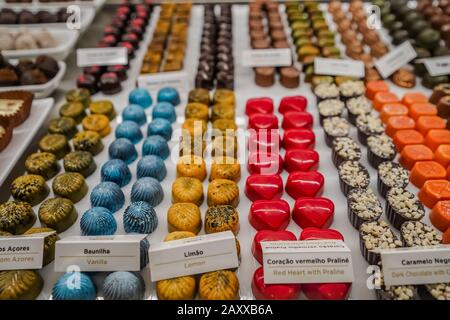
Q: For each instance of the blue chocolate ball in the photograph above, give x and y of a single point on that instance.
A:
(140, 217)
(134, 113)
(147, 189)
(160, 126)
(123, 285)
(74, 286)
(156, 145)
(164, 110)
(98, 221)
(123, 149)
(169, 94)
(129, 130)
(151, 166)
(108, 195)
(140, 97)
(116, 171)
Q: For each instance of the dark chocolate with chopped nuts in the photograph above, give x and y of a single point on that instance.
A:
(391, 175)
(344, 149)
(368, 125)
(353, 175)
(330, 108)
(418, 234)
(335, 127)
(402, 206)
(381, 148)
(363, 206)
(351, 89)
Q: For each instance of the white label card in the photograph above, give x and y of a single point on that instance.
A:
(22, 252)
(438, 66)
(194, 255)
(413, 266)
(99, 253)
(102, 57)
(155, 82)
(395, 59)
(267, 58)
(339, 67)
(315, 261)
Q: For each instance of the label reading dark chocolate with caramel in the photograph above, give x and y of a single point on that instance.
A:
(312, 261)
(414, 266)
(99, 253)
(22, 252)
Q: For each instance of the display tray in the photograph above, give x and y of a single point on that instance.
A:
(245, 89)
(87, 16)
(42, 90)
(66, 40)
(23, 135)
(97, 4)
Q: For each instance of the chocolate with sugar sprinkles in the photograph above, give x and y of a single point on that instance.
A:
(402, 206)
(344, 149)
(381, 148)
(418, 234)
(368, 125)
(335, 127)
(353, 175)
(390, 175)
(376, 235)
(358, 106)
(330, 108)
(363, 206)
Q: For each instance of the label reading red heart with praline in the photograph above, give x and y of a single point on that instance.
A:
(301, 160)
(299, 139)
(269, 235)
(259, 105)
(265, 163)
(263, 187)
(313, 212)
(293, 103)
(297, 120)
(305, 184)
(269, 214)
(263, 291)
(259, 121)
(314, 261)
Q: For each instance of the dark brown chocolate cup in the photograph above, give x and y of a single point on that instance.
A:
(396, 218)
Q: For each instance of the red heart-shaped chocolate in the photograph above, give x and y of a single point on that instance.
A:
(299, 139)
(320, 234)
(297, 120)
(259, 121)
(301, 160)
(313, 212)
(269, 235)
(259, 105)
(265, 163)
(292, 103)
(305, 184)
(264, 141)
(327, 291)
(263, 291)
(269, 215)
(262, 187)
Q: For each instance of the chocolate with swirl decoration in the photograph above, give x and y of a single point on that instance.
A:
(98, 221)
(56, 144)
(151, 166)
(147, 189)
(70, 185)
(16, 217)
(123, 149)
(116, 171)
(65, 290)
(108, 195)
(140, 217)
(30, 188)
(20, 285)
(57, 213)
(123, 285)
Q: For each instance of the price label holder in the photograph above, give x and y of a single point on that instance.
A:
(438, 66)
(267, 58)
(102, 57)
(414, 266)
(99, 253)
(155, 82)
(339, 67)
(194, 255)
(395, 59)
(315, 261)
(22, 252)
